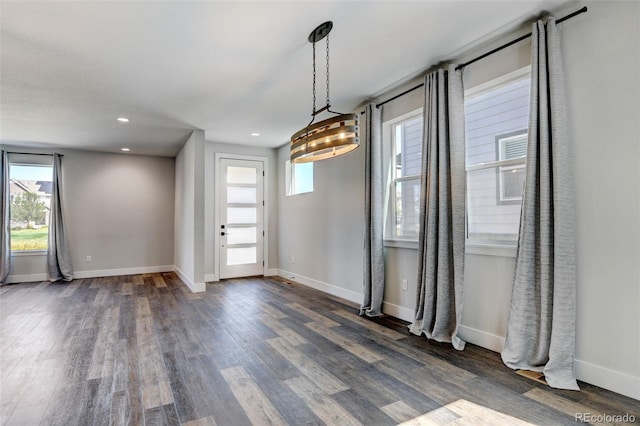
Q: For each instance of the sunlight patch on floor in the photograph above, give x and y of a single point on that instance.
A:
(463, 412)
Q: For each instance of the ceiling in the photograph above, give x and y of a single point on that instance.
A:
(69, 69)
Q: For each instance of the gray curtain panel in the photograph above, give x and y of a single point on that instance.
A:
(58, 255)
(442, 210)
(5, 229)
(373, 286)
(541, 327)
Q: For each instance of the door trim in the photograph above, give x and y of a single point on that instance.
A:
(216, 204)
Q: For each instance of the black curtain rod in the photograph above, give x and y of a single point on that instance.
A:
(476, 59)
(519, 39)
(31, 153)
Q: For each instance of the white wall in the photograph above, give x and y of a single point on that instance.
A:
(210, 150)
(189, 212)
(118, 208)
(602, 64)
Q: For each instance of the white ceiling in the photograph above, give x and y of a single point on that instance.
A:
(68, 69)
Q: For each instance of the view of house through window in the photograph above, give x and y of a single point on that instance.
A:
(405, 134)
(298, 177)
(30, 194)
(496, 121)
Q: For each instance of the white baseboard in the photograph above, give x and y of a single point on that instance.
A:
(622, 383)
(93, 274)
(397, 311)
(122, 271)
(481, 338)
(27, 278)
(210, 277)
(194, 287)
(333, 290)
(615, 381)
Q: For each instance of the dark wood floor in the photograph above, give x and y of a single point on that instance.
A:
(144, 350)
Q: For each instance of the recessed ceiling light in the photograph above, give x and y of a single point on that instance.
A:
(125, 149)
(123, 119)
(255, 134)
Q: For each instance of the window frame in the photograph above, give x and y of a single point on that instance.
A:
(501, 198)
(290, 176)
(494, 247)
(391, 239)
(29, 160)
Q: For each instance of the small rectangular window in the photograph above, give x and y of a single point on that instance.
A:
(403, 140)
(30, 193)
(298, 178)
(496, 122)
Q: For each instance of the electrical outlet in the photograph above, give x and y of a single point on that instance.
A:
(405, 285)
(88, 258)
(293, 260)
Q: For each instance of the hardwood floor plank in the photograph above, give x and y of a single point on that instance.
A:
(389, 388)
(471, 413)
(71, 288)
(254, 402)
(285, 332)
(289, 405)
(127, 289)
(65, 405)
(180, 389)
(118, 408)
(399, 411)
(159, 281)
(156, 390)
(313, 316)
(488, 393)
(36, 393)
(204, 421)
(364, 322)
(104, 348)
(102, 297)
(355, 348)
(326, 408)
(561, 404)
(223, 405)
(318, 375)
(442, 367)
(361, 408)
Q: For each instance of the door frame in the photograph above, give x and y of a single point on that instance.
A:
(216, 208)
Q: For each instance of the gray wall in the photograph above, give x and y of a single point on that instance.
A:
(189, 212)
(324, 229)
(117, 208)
(602, 59)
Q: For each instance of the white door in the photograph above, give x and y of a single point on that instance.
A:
(241, 218)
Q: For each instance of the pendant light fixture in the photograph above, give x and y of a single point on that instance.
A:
(327, 138)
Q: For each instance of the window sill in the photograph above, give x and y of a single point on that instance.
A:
(408, 244)
(28, 253)
(502, 250)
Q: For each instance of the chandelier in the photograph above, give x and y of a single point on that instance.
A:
(328, 138)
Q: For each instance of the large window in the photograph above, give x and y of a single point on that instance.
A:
(298, 177)
(496, 120)
(30, 193)
(403, 140)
